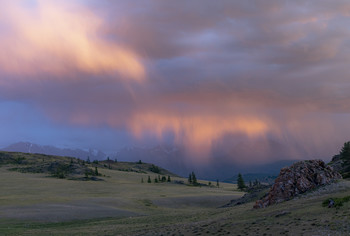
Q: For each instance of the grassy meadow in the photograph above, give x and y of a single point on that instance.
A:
(38, 204)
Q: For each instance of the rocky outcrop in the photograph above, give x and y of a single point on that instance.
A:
(296, 179)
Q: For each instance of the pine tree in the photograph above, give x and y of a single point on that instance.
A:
(169, 180)
(149, 180)
(88, 160)
(217, 183)
(240, 182)
(194, 179)
(345, 156)
(96, 171)
(190, 178)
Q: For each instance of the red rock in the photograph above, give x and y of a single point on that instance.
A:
(297, 179)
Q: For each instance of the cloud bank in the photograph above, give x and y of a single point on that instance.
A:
(199, 74)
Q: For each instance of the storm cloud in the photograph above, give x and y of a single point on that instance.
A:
(199, 74)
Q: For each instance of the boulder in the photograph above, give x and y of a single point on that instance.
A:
(297, 179)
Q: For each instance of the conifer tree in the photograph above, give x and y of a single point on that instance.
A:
(194, 179)
(149, 180)
(169, 180)
(240, 182)
(190, 178)
(345, 156)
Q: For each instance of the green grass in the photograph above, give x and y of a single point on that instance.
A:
(338, 202)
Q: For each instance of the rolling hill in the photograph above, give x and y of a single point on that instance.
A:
(38, 203)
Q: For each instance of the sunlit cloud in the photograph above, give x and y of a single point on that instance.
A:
(60, 38)
(196, 132)
(261, 80)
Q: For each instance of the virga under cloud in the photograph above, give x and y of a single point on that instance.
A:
(204, 70)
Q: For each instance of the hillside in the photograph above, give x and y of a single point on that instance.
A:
(252, 177)
(122, 204)
(70, 167)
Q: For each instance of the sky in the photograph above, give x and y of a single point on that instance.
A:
(241, 81)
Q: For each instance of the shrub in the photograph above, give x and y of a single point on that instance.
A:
(338, 202)
(154, 169)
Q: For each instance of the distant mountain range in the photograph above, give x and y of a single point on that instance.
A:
(51, 150)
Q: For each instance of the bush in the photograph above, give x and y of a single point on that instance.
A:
(338, 202)
(154, 169)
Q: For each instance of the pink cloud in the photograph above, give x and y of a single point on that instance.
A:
(60, 38)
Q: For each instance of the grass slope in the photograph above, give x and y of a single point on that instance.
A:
(70, 167)
(34, 204)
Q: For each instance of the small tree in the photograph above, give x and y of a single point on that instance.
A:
(194, 179)
(149, 180)
(141, 180)
(190, 178)
(169, 180)
(88, 160)
(139, 162)
(345, 151)
(96, 171)
(240, 182)
(217, 183)
(209, 183)
(156, 180)
(345, 156)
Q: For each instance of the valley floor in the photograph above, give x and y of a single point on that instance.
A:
(34, 204)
